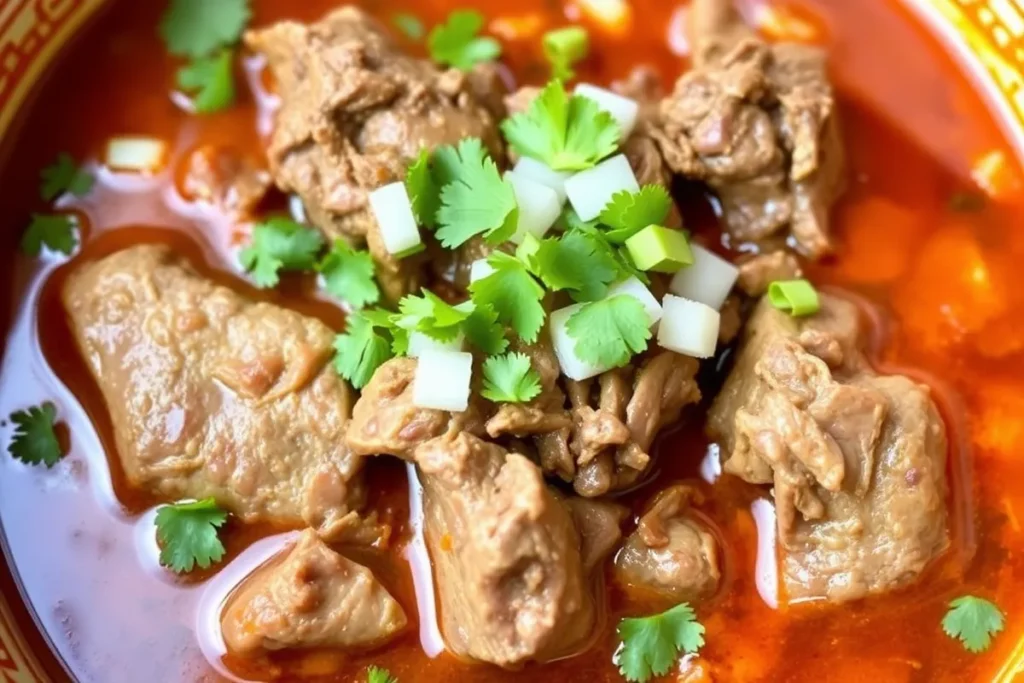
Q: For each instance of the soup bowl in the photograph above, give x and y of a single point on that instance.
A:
(985, 36)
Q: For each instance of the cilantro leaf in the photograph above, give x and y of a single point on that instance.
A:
(482, 328)
(187, 533)
(475, 199)
(456, 42)
(513, 293)
(210, 80)
(567, 133)
(64, 175)
(619, 254)
(609, 331)
(973, 621)
(650, 644)
(410, 25)
(35, 440)
(375, 674)
(362, 349)
(348, 274)
(196, 28)
(564, 47)
(575, 261)
(55, 231)
(280, 244)
(627, 213)
(510, 379)
(423, 191)
(431, 315)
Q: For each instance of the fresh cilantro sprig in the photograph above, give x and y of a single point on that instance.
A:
(651, 644)
(564, 47)
(627, 213)
(205, 31)
(610, 331)
(568, 133)
(457, 42)
(431, 315)
(423, 190)
(973, 621)
(375, 674)
(510, 379)
(482, 329)
(210, 81)
(187, 534)
(35, 438)
(348, 274)
(54, 231)
(513, 293)
(368, 342)
(475, 199)
(64, 175)
(577, 262)
(280, 244)
(197, 28)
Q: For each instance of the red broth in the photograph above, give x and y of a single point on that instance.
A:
(943, 287)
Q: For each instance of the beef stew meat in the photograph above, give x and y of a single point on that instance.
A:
(312, 597)
(757, 123)
(637, 400)
(214, 395)
(857, 460)
(355, 112)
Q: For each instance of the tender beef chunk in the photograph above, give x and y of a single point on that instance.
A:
(311, 597)
(671, 552)
(599, 524)
(757, 123)
(610, 439)
(856, 460)
(385, 422)
(355, 113)
(214, 395)
(546, 413)
(758, 272)
(507, 557)
(226, 179)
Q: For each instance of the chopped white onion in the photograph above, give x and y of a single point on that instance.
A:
(572, 365)
(420, 343)
(479, 269)
(688, 327)
(590, 190)
(136, 154)
(708, 280)
(544, 174)
(442, 380)
(393, 210)
(622, 109)
(539, 207)
(636, 289)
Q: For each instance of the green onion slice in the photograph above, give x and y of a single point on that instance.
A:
(796, 297)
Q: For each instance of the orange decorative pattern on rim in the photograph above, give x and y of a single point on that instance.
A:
(33, 31)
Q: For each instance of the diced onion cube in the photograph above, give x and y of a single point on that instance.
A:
(660, 249)
(393, 210)
(688, 327)
(544, 174)
(479, 269)
(572, 365)
(636, 289)
(136, 154)
(442, 380)
(420, 343)
(708, 280)
(622, 109)
(539, 207)
(590, 190)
